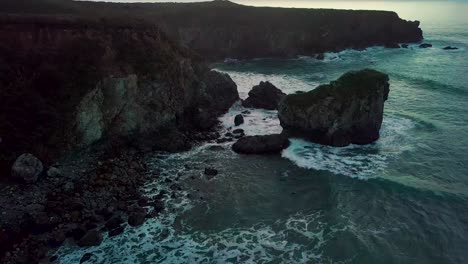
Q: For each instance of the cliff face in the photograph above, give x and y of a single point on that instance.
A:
(235, 31)
(222, 29)
(69, 83)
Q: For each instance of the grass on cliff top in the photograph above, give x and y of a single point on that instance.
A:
(354, 82)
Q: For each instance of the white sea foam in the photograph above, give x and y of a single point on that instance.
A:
(298, 239)
(288, 84)
(354, 161)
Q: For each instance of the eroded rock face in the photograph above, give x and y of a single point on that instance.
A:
(346, 111)
(265, 95)
(268, 144)
(216, 95)
(27, 168)
(133, 83)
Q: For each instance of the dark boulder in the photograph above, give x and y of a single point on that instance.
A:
(450, 48)
(27, 168)
(238, 120)
(320, 56)
(405, 46)
(265, 95)
(261, 144)
(224, 140)
(211, 172)
(137, 218)
(346, 111)
(238, 131)
(92, 238)
(116, 231)
(425, 45)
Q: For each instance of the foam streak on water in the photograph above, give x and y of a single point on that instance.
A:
(355, 161)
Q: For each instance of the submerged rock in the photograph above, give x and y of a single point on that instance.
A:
(27, 168)
(450, 48)
(405, 46)
(346, 111)
(265, 95)
(425, 45)
(86, 257)
(261, 144)
(238, 120)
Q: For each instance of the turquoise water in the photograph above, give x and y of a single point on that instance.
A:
(403, 199)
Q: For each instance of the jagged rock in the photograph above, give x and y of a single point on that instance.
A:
(261, 144)
(217, 96)
(92, 238)
(425, 45)
(450, 48)
(265, 95)
(238, 120)
(346, 111)
(27, 168)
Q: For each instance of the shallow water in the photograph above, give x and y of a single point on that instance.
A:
(403, 199)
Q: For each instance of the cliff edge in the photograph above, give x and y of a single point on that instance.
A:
(223, 29)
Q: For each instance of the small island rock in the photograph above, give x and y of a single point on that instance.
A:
(265, 95)
(267, 144)
(346, 111)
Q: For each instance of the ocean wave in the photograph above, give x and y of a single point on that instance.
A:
(354, 161)
(300, 238)
(256, 121)
(287, 83)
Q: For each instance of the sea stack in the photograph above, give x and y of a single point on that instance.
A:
(346, 111)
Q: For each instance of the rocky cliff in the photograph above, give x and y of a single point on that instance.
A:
(222, 29)
(68, 83)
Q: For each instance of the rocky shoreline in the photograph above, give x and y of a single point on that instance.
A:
(90, 120)
(92, 192)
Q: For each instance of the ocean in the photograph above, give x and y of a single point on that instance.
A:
(403, 199)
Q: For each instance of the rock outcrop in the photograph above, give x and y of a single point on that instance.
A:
(450, 48)
(267, 144)
(265, 95)
(346, 111)
(238, 120)
(69, 83)
(27, 168)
